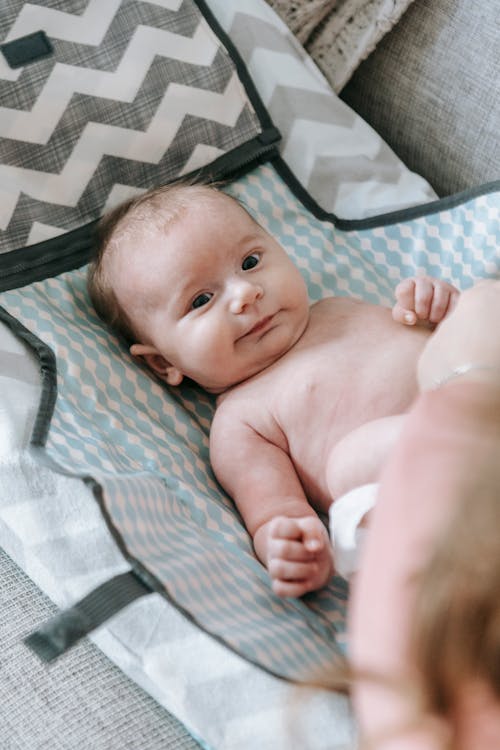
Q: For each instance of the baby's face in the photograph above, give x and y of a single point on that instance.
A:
(214, 297)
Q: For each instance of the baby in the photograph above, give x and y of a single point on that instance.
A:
(309, 398)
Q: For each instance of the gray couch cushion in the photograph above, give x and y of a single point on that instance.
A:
(432, 90)
(82, 701)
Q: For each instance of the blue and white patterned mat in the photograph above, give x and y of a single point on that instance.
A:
(148, 446)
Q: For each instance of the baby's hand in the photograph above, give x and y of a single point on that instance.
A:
(299, 557)
(423, 299)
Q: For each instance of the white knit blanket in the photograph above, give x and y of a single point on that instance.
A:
(339, 34)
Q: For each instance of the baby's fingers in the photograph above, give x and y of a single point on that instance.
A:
(289, 549)
(404, 309)
(444, 299)
(314, 536)
(287, 570)
(403, 315)
(282, 527)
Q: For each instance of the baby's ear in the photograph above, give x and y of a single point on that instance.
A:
(157, 363)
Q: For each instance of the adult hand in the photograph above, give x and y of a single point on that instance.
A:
(466, 343)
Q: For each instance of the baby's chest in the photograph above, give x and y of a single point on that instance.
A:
(317, 387)
(337, 382)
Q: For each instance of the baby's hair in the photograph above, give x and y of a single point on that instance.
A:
(150, 211)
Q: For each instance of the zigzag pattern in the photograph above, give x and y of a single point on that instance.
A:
(113, 115)
(338, 158)
(23, 92)
(139, 114)
(123, 84)
(180, 158)
(88, 27)
(99, 139)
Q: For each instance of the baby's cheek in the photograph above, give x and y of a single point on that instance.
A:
(213, 350)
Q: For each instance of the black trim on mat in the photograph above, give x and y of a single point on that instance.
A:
(241, 68)
(44, 259)
(61, 632)
(378, 220)
(48, 375)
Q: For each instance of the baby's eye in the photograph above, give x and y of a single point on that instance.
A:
(201, 299)
(250, 262)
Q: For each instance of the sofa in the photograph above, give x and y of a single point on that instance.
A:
(431, 89)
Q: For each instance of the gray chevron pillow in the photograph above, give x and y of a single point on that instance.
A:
(107, 99)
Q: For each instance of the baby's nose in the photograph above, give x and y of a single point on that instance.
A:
(243, 294)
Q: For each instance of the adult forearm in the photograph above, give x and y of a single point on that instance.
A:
(448, 446)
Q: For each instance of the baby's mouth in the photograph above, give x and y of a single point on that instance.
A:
(259, 327)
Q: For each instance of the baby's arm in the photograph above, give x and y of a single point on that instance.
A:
(288, 536)
(423, 299)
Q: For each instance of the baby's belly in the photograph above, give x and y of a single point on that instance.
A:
(323, 416)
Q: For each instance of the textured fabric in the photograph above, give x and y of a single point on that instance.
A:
(135, 94)
(432, 91)
(342, 162)
(85, 702)
(303, 17)
(339, 34)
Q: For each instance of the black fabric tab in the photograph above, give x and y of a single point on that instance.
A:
(64, 630)
(27, 49)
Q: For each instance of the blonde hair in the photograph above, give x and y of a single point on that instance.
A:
(456, 628)
(151, 211)
(455, 636)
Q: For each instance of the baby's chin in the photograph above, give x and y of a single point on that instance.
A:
(222, 386)
(270, 349)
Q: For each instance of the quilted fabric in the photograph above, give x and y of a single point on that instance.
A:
(147, 446)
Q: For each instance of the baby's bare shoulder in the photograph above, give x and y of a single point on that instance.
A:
(238, 406)
(234, 434)
(233, 406)
(242, 414)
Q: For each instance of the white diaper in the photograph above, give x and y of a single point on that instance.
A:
(345, 516)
